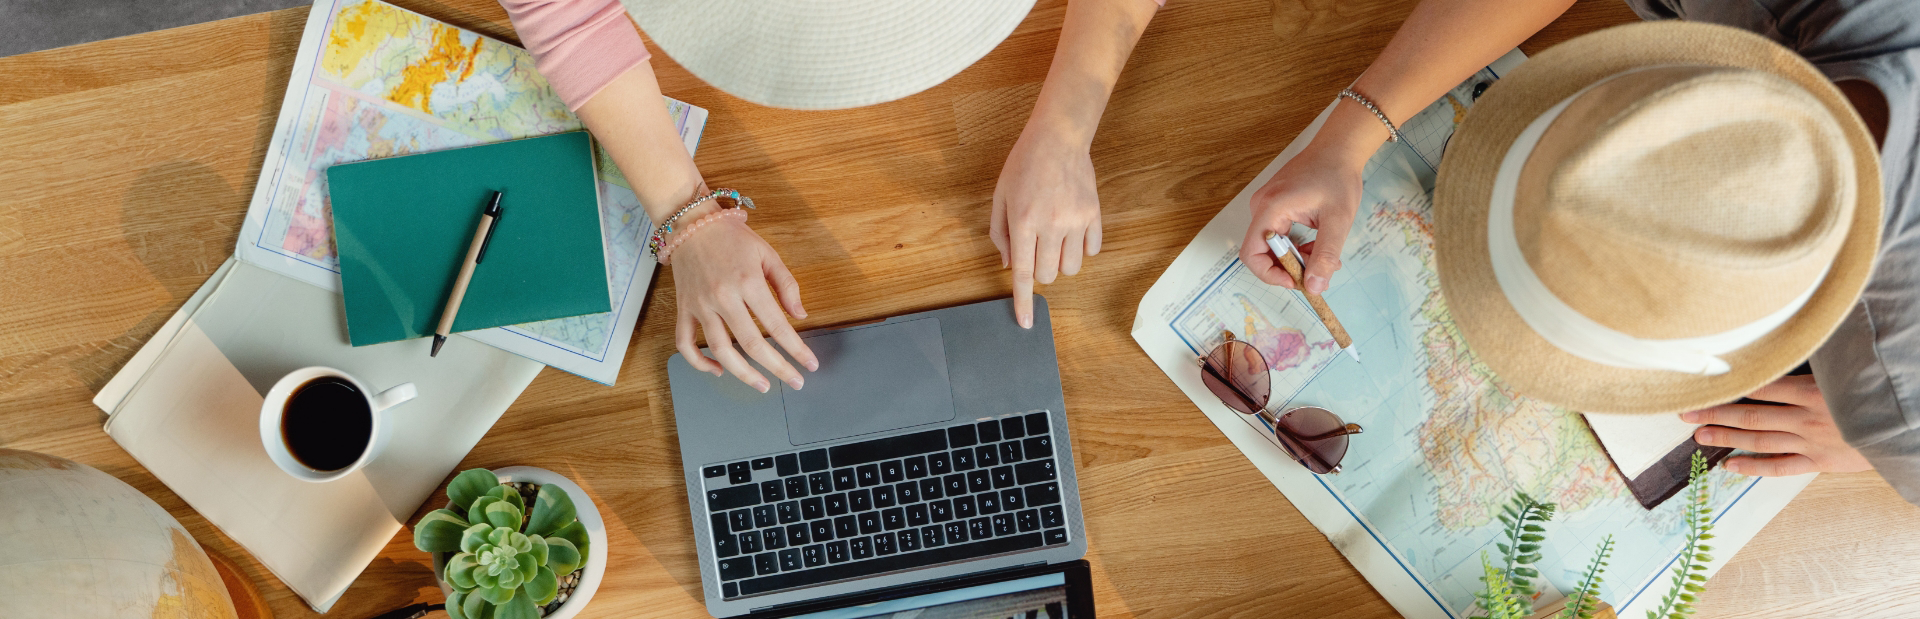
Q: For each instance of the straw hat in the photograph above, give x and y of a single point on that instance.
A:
(826, 55)
(1655, 217)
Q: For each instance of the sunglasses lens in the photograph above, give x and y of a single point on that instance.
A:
(1245, 372)
(1314, 435)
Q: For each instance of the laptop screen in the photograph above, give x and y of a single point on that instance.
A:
(1060, 591)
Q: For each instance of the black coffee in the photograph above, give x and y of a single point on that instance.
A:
(327, 424)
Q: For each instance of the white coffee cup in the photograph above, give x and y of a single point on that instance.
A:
(274, 408)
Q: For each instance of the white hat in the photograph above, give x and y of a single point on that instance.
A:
(826, 54)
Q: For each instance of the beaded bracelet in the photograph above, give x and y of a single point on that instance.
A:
(665, 228)
(1393, 133)
(666, 252)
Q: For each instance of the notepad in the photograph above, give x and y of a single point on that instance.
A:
(402, 225)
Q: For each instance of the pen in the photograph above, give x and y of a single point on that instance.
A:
(1290, 260)
(476, 250)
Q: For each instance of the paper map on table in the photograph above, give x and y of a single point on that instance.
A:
(1445, 444)
(374, 80)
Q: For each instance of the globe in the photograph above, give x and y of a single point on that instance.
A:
(80, 543)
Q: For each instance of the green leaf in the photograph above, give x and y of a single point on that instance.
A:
(1532, 537)
(520, 607)
(497, 595)
(472, 538)
(474, 606)
(503, 515)
(1527, 572)
(538, 550)
(468, 486)
(543, 587)
(1527, 549)
(1534, 528)
(575, 533)
(439, 531)
(460, 571)
(552, 509)
(453, 604)
(562, 557)
(509, 494)
(1504, 550)
(528, 569)
(478, 511)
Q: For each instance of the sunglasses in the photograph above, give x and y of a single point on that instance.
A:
(1313, 436)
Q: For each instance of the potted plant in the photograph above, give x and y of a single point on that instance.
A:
(512, 545)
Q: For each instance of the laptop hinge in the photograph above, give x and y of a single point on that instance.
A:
(931, 585)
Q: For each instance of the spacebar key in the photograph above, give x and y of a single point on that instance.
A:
(843, 571)
(888, 448)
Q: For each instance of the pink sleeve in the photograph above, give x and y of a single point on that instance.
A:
(579, 45)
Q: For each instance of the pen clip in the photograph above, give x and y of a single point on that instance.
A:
(494, 211)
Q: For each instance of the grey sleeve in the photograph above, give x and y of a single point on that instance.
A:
(1863, 389)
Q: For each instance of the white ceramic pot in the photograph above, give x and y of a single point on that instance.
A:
(589, 515)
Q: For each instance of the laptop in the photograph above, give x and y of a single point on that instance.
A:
(928, 454)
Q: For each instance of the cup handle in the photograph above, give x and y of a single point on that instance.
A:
(394, 396)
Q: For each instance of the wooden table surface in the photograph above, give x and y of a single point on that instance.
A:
(126, 166)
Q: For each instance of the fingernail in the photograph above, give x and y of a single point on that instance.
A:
(797, 383)
(761, 385)
(1705, 435)
(1735, 466)
(1690, 416)
(813, 366)
(1026, 322)
(1316, 284)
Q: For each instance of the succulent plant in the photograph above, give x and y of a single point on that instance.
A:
(507, 559)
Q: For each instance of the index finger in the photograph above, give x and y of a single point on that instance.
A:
(1746, 416)
(1023, 248)
(1799, 390)
(1259, 259)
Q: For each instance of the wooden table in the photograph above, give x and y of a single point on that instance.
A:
(126, 166)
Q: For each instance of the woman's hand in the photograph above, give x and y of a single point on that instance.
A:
(1320, 188)
(721, 276)
(1798, 432)
(1046, 214)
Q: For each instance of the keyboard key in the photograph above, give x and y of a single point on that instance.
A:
(1034, 471)
(789, 512)
(963, 507)
(961, 436)
(815, 460)
(845, 527)
(917, 515)
(773, 490)
(916, 467)
(1003, 477)
(763, 516)
(1050, 517)
(1010, 452)
(986, 455)
(1043, 494)
(1038, 447)
(836, 504)
(790, 559)
(717, 470)
(891, 471)
(956, 531)
(723, 545)
(938, 464)
(909, 540)
(761, 464)
(837, 552)
(739, 473)
(786, 464)
(723, 499)
(980, 528)
(820, 483)
(867, 474)
(735, 569)
(812, 509)
(893, 519)
(888, 448)
(930, 489)
(908, 491)
(989, 503)
(1012, 428)
(742, 520)
(883, 544)
(962, 459)
(941, 511)
(749, 542)
(860, 500)
(979, 481)
(1036, 423)
(1056, 536)
(815, 555)
(862, 547)
(1003, 524)
(797, 534)
(931, 537)
(774, 538)
(1012, 499)
(820, 530)
(729, 589)
(842, 480)
(869, 522)
(796, 487)
(989, 431)
(1028, 520)
(882, 497)
(955, 484)
(717, 525)
(951, 552)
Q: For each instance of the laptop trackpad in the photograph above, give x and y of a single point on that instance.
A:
(871, 379)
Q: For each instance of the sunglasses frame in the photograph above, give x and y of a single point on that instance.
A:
(1281, 434)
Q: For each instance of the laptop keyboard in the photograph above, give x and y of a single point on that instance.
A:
(970, 490)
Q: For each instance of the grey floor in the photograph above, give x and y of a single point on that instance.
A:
(34, 25)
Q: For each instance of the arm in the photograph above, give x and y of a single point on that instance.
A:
(1046, 210)
(1441, 43)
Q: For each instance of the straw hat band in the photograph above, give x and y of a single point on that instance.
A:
(1574, 332)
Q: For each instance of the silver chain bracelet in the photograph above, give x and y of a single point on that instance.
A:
(1393, 133)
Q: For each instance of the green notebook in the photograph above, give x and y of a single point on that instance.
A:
(402, 226)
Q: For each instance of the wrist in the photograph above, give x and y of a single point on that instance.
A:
(1351, 134)
(1057, 131)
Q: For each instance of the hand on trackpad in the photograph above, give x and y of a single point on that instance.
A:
(871, 379)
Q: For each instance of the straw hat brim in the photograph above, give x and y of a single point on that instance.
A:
(1536, 368)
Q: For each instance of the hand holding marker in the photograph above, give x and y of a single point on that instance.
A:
(1290, 259)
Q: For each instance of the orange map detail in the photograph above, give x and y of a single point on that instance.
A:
(446, 59)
